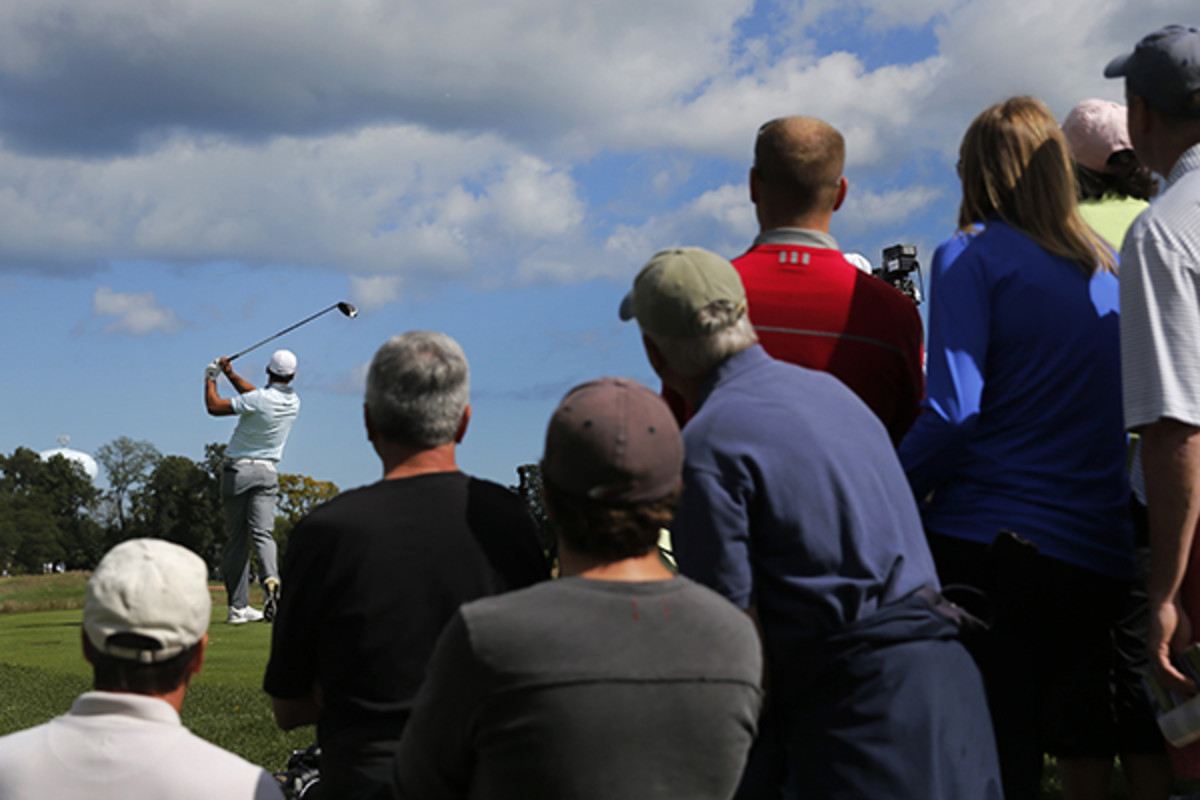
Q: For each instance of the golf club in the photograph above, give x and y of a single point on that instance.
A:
(344, 307)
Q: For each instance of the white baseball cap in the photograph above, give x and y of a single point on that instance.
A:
(283, 363)
(152, 588)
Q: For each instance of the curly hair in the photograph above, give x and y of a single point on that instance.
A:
(1125, 177)
(608, 532)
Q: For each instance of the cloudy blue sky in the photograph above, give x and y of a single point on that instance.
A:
(181, 178)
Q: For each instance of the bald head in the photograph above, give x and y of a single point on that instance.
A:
(797, 171)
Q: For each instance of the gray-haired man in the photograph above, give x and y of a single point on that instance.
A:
(376, 573)
(145, 623)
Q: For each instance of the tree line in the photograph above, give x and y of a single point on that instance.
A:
(51, 513)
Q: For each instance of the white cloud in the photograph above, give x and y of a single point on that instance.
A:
(136, 314)
(383, 201)
(866, 210)
(721, 220)
(531, 68)
(374, 292)
(413, 144)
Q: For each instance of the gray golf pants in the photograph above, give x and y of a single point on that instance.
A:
(248, 490)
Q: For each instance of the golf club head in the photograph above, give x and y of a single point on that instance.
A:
(348, 309)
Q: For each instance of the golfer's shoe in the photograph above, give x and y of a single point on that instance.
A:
(271, 598)
(244, 614)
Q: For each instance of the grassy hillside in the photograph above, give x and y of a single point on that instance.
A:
(42, 670)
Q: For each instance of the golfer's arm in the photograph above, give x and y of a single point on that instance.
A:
(217, 406)
(239, 383)
(1171, 462)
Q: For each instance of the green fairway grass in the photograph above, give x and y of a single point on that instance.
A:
(42, 670)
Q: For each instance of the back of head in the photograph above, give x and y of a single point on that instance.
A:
(282, 365)
(799, 161)
(1164, 70)
(612, 468)
(1097, 135)
(691, 302)
(418, 386)
(147, 607)
(1015, 166)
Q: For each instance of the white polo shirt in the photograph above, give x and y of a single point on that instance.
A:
(265, 418)
(1160, 303)
(118, 745)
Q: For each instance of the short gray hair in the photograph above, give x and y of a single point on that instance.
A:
(418, 386)
(693, 356)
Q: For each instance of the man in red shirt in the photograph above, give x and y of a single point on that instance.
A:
(809, 305)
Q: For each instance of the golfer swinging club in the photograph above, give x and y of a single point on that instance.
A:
(248, 480)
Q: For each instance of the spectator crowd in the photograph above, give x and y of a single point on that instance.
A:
(898, 570)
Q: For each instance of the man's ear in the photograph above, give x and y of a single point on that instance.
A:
(462, 425)
(367, 422)
(753, 182)
(87, 647)
(843, 186)
(197, 662)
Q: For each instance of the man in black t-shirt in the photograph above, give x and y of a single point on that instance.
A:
(377, 572)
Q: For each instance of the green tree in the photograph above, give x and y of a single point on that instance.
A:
(127, 464)
(214, 466)
(43, 513)
(298, 495)
(174, 503)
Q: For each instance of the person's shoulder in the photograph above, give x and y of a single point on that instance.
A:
(337, 511)
(15, 746)
(710, 602)
(492, 491)
(874, 296)
(222, 773)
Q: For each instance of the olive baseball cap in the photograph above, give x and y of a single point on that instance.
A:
(1164, 69)
(673, 288)
(151, 588)
(614, 441)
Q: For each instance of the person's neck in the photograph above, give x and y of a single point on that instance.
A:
(173, 698)
(639, 569)
(1172, 154)
(768, 221)
(406, 462)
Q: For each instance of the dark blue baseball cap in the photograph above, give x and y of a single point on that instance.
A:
(1164, 70)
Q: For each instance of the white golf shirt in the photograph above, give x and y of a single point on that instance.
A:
(265, 418)
(1160, 303)
(115, 745)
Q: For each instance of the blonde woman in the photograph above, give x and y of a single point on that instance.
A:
(1018, 456)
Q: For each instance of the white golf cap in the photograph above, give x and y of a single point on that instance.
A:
(151, 588)
(283, 363)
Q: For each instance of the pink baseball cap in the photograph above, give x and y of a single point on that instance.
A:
(1095, 129)
(613, 441)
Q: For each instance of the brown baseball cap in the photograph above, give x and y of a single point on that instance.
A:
(614, 441)
(675, 286)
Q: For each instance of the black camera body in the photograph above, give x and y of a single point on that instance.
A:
(303, 773)
(899, 265)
